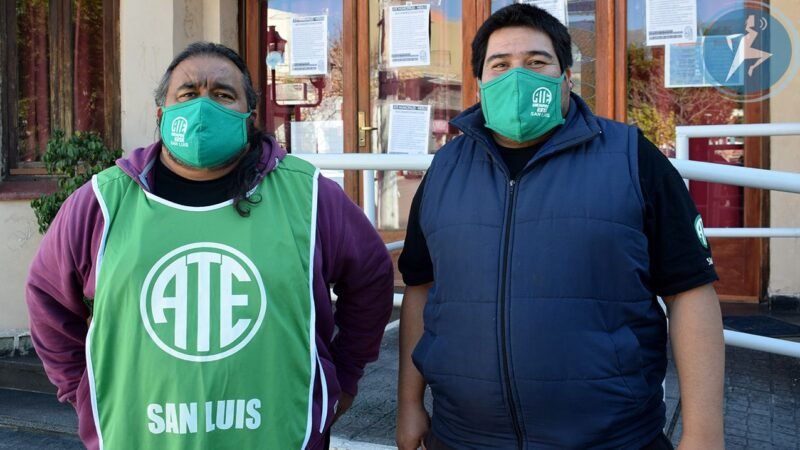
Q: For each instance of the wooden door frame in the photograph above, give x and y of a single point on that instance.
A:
(252, 20)
(473, 14)
(356, 80)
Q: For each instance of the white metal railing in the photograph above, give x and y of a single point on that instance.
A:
(695, 170)
(682, 134)
(753, 232)
(702, 171)
(718, 173)
(761, 343)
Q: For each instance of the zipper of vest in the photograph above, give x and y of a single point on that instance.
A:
(503, 325)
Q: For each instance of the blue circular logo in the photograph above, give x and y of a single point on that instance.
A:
(751, 52)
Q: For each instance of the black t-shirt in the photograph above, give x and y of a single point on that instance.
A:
(171, 186)
(678, 260)
(517, 158)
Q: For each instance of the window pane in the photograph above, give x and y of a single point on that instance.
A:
(305, 111)
(437, 84)
(657, 109)
(61, 75)
(33, 108)
(88, 63)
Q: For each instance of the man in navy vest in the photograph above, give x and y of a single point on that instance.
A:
(537, 246)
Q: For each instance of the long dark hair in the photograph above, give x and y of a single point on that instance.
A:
(246, 173)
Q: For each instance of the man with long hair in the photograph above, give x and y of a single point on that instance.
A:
(206, 261)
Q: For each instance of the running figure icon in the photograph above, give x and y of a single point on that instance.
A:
(745, 50)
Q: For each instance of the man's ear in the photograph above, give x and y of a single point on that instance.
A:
(159, 113)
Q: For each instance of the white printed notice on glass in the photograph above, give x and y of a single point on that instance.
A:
(409, 128)
(309, 46)
(671, 21)
(557, 8)
(409, 35)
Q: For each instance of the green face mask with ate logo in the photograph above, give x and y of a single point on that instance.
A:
(202, 133)
(521, 104)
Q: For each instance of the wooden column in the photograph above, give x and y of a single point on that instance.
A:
(111, 74)
(61, 70)
(474, 13)
(756, 201)
(356, 87)
(8, 87)
(605, 64)
(620, 15)
(252, 38)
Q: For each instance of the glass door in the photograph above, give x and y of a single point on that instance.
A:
(415, 88)
(305, 90)
(689, 83)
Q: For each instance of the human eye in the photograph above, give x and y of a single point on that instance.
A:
(224, 96)
(499, 66)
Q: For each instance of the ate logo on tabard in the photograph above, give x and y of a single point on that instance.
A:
(203, 302)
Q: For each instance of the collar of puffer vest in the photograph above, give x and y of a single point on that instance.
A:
(581, 125)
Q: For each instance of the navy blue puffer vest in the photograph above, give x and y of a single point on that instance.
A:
(540, 330)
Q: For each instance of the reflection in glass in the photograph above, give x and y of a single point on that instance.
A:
(33, 107)
(438, 85)
(305, 111)
(657, 109)
(39, 65)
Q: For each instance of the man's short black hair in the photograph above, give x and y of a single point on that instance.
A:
(522, 15)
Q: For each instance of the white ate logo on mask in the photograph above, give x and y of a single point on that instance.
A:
(178, 130)
(540, 102)
(203, 302)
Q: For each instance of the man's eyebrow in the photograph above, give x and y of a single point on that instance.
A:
(528, 53)
(187, 85)
(222, 85)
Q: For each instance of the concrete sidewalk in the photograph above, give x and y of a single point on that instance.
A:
(762, 398)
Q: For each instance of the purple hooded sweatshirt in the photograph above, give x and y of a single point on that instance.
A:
(349, 255)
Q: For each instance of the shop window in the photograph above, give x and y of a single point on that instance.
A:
(657, 104)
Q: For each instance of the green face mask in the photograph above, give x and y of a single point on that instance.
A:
(522, 105)
(202, 133)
